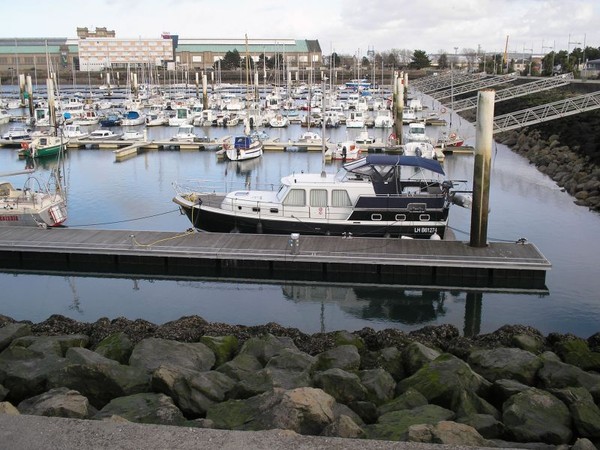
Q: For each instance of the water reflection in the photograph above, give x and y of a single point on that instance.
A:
(408, 306)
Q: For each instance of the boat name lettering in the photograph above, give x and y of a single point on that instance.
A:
(9, 218)
(425, 230)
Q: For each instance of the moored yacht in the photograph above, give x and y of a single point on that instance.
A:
(376, 196)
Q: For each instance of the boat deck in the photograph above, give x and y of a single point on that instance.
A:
(275, 257)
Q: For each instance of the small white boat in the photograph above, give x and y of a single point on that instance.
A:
(244, 147)
(346, 151)
(416, 133)
(103, 135)
(384, 119)
(30, 207)
(183, 116)
(364, 138)
(356, 119)
(74, 132)
(133, 117)
(185, 133)
(4, 116)
(421, 149)
(16, 133)
(279, 121)
(156, 119)
(310, 137)
(132, 135)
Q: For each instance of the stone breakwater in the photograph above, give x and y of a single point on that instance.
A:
(511, 388)
(573, 172)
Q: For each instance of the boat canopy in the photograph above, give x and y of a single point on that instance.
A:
(366, 165)
(242, 142)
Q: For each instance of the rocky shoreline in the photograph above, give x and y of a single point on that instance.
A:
(575, 173)
(510, 388)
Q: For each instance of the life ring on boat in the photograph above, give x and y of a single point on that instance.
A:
(443, 110)
(392, 138)
(24, 145)
(452, 135)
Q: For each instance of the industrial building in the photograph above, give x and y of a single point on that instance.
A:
(99, 50)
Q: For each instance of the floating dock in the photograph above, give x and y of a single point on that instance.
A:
(273, 257)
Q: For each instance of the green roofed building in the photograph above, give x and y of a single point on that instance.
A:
(102, 50)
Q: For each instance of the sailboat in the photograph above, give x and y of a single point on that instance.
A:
(36, 204)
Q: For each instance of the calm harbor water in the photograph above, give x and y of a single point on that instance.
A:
(136, 195)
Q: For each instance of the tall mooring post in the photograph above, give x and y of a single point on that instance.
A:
(197, 85)
(398, 108)
(29, 96)
(204, 92)
(482, 168)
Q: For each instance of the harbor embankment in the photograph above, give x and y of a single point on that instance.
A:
(511, 388)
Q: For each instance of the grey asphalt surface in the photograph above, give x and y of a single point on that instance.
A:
(36, 432)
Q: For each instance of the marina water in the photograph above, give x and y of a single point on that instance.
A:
(136, 195)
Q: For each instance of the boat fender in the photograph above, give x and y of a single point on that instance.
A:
(452, 135)
(443, 110)
(24, 145)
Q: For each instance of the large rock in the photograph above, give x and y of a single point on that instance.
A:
(380, 385)
(269, 378)
(51, 345)
(266, 347)
(416, 355)
(485, 424)
(393, 426)
(117, 346)
(292, 360)
(144, 408)
(24, 372)
(303, 410)
(12, 331)
(505, 363)
(8, 408)
(585, 413)
(409, 399)
(537, 416)
(345, 357)
(151, 353)
(446, 381)
(193, 392)
(448, 433)
(344, 386)
(59, 402)
(224, 347)
(240, 367)
(99, 379)
(578, 353)
(555, 374)
(343, 427)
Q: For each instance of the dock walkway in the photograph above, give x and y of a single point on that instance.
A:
(274, 257)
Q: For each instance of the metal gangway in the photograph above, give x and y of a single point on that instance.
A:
(549, 111)
(474, 86)
(539, 85)
(435, 83)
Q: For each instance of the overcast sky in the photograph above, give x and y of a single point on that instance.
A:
(345, 26)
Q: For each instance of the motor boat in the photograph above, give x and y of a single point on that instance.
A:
(377, 196)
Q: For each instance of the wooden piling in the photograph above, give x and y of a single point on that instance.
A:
(482, 167)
